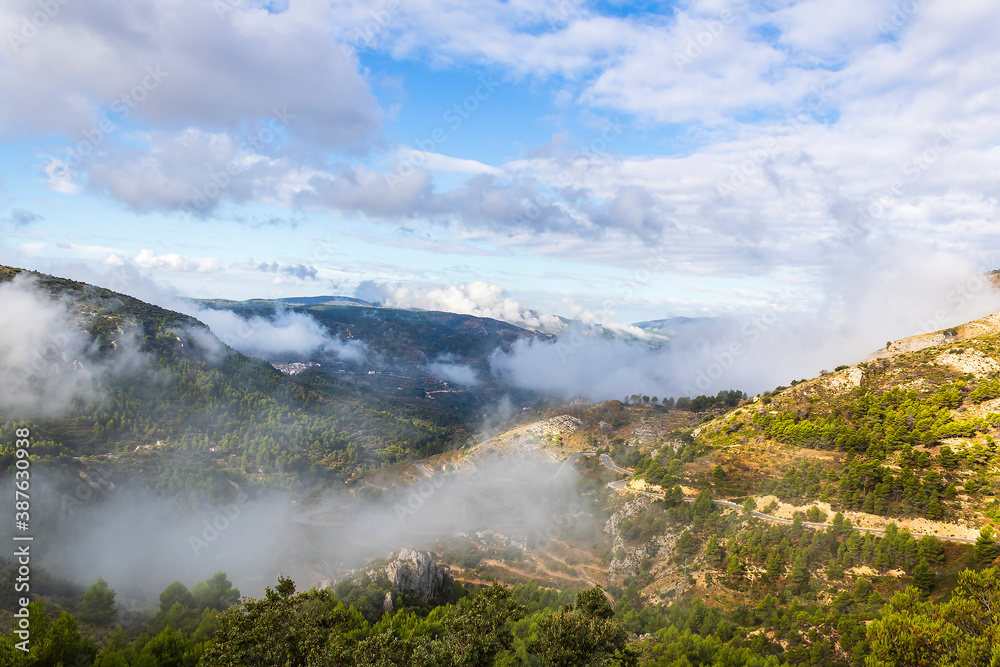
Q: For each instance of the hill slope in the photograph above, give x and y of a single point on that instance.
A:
(185, 398)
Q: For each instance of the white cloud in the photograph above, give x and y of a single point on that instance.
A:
(48, 363)
(478, 298)
(454, 373)
(887, 295)
(148, 259)
(795, 116)
(214, 70)
(284, 333)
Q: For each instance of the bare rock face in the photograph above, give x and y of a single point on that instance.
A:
(387, 603)
(415, 573)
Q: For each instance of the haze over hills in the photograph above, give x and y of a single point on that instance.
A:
(534, 334)
(789, 518)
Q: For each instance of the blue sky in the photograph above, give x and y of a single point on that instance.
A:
(609, 161)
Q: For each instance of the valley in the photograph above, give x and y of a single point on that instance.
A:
(773, 529)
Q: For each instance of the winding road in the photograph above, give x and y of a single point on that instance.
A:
(622, 485)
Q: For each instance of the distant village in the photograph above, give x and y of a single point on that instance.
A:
(295, 367)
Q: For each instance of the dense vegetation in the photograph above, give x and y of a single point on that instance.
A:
(210, 626)
(876, 425)
(815, 591)
(212, 405)
(791, 621)
(729, 398)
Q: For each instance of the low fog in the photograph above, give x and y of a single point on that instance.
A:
(48, 363)
(140, 544)
(861, 306)
(448, 370)
(285, 333)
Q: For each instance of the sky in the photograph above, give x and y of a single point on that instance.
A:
(607, 161)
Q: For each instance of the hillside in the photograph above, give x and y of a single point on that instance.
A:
(432, 362)
(798, 514)
(188, 404)
(795, 527)
(401, 336)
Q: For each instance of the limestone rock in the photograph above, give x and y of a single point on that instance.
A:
(416, 573)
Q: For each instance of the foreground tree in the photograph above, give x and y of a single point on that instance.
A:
(283, 628)
(314, 628)
(98, 604)
(965, 630)
(586, 635)
(56, 642)
(986, 546)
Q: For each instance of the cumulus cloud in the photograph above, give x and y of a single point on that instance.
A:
(48, 363)
(478, 298)
(300, 271)
(218, 69)
(148, 259)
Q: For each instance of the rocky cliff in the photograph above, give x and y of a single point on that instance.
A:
(416, 573)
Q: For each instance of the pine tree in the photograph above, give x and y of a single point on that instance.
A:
(800, 571)
(986, 546)
(97, 605)
(686, 544)
(713, 552)
(923, 577)
(775, 566)
(735, 568)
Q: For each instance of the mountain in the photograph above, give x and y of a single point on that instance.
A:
(293, 301)
(846, 516)
(438, 361)
(400, 335)
(669, 326)
(801, 516)
(153, 385)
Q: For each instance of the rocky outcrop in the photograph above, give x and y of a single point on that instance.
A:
(626, 558)
(416, 573)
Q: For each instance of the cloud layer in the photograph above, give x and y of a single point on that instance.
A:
(891, 298)
(48, 363)
(273, 338)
